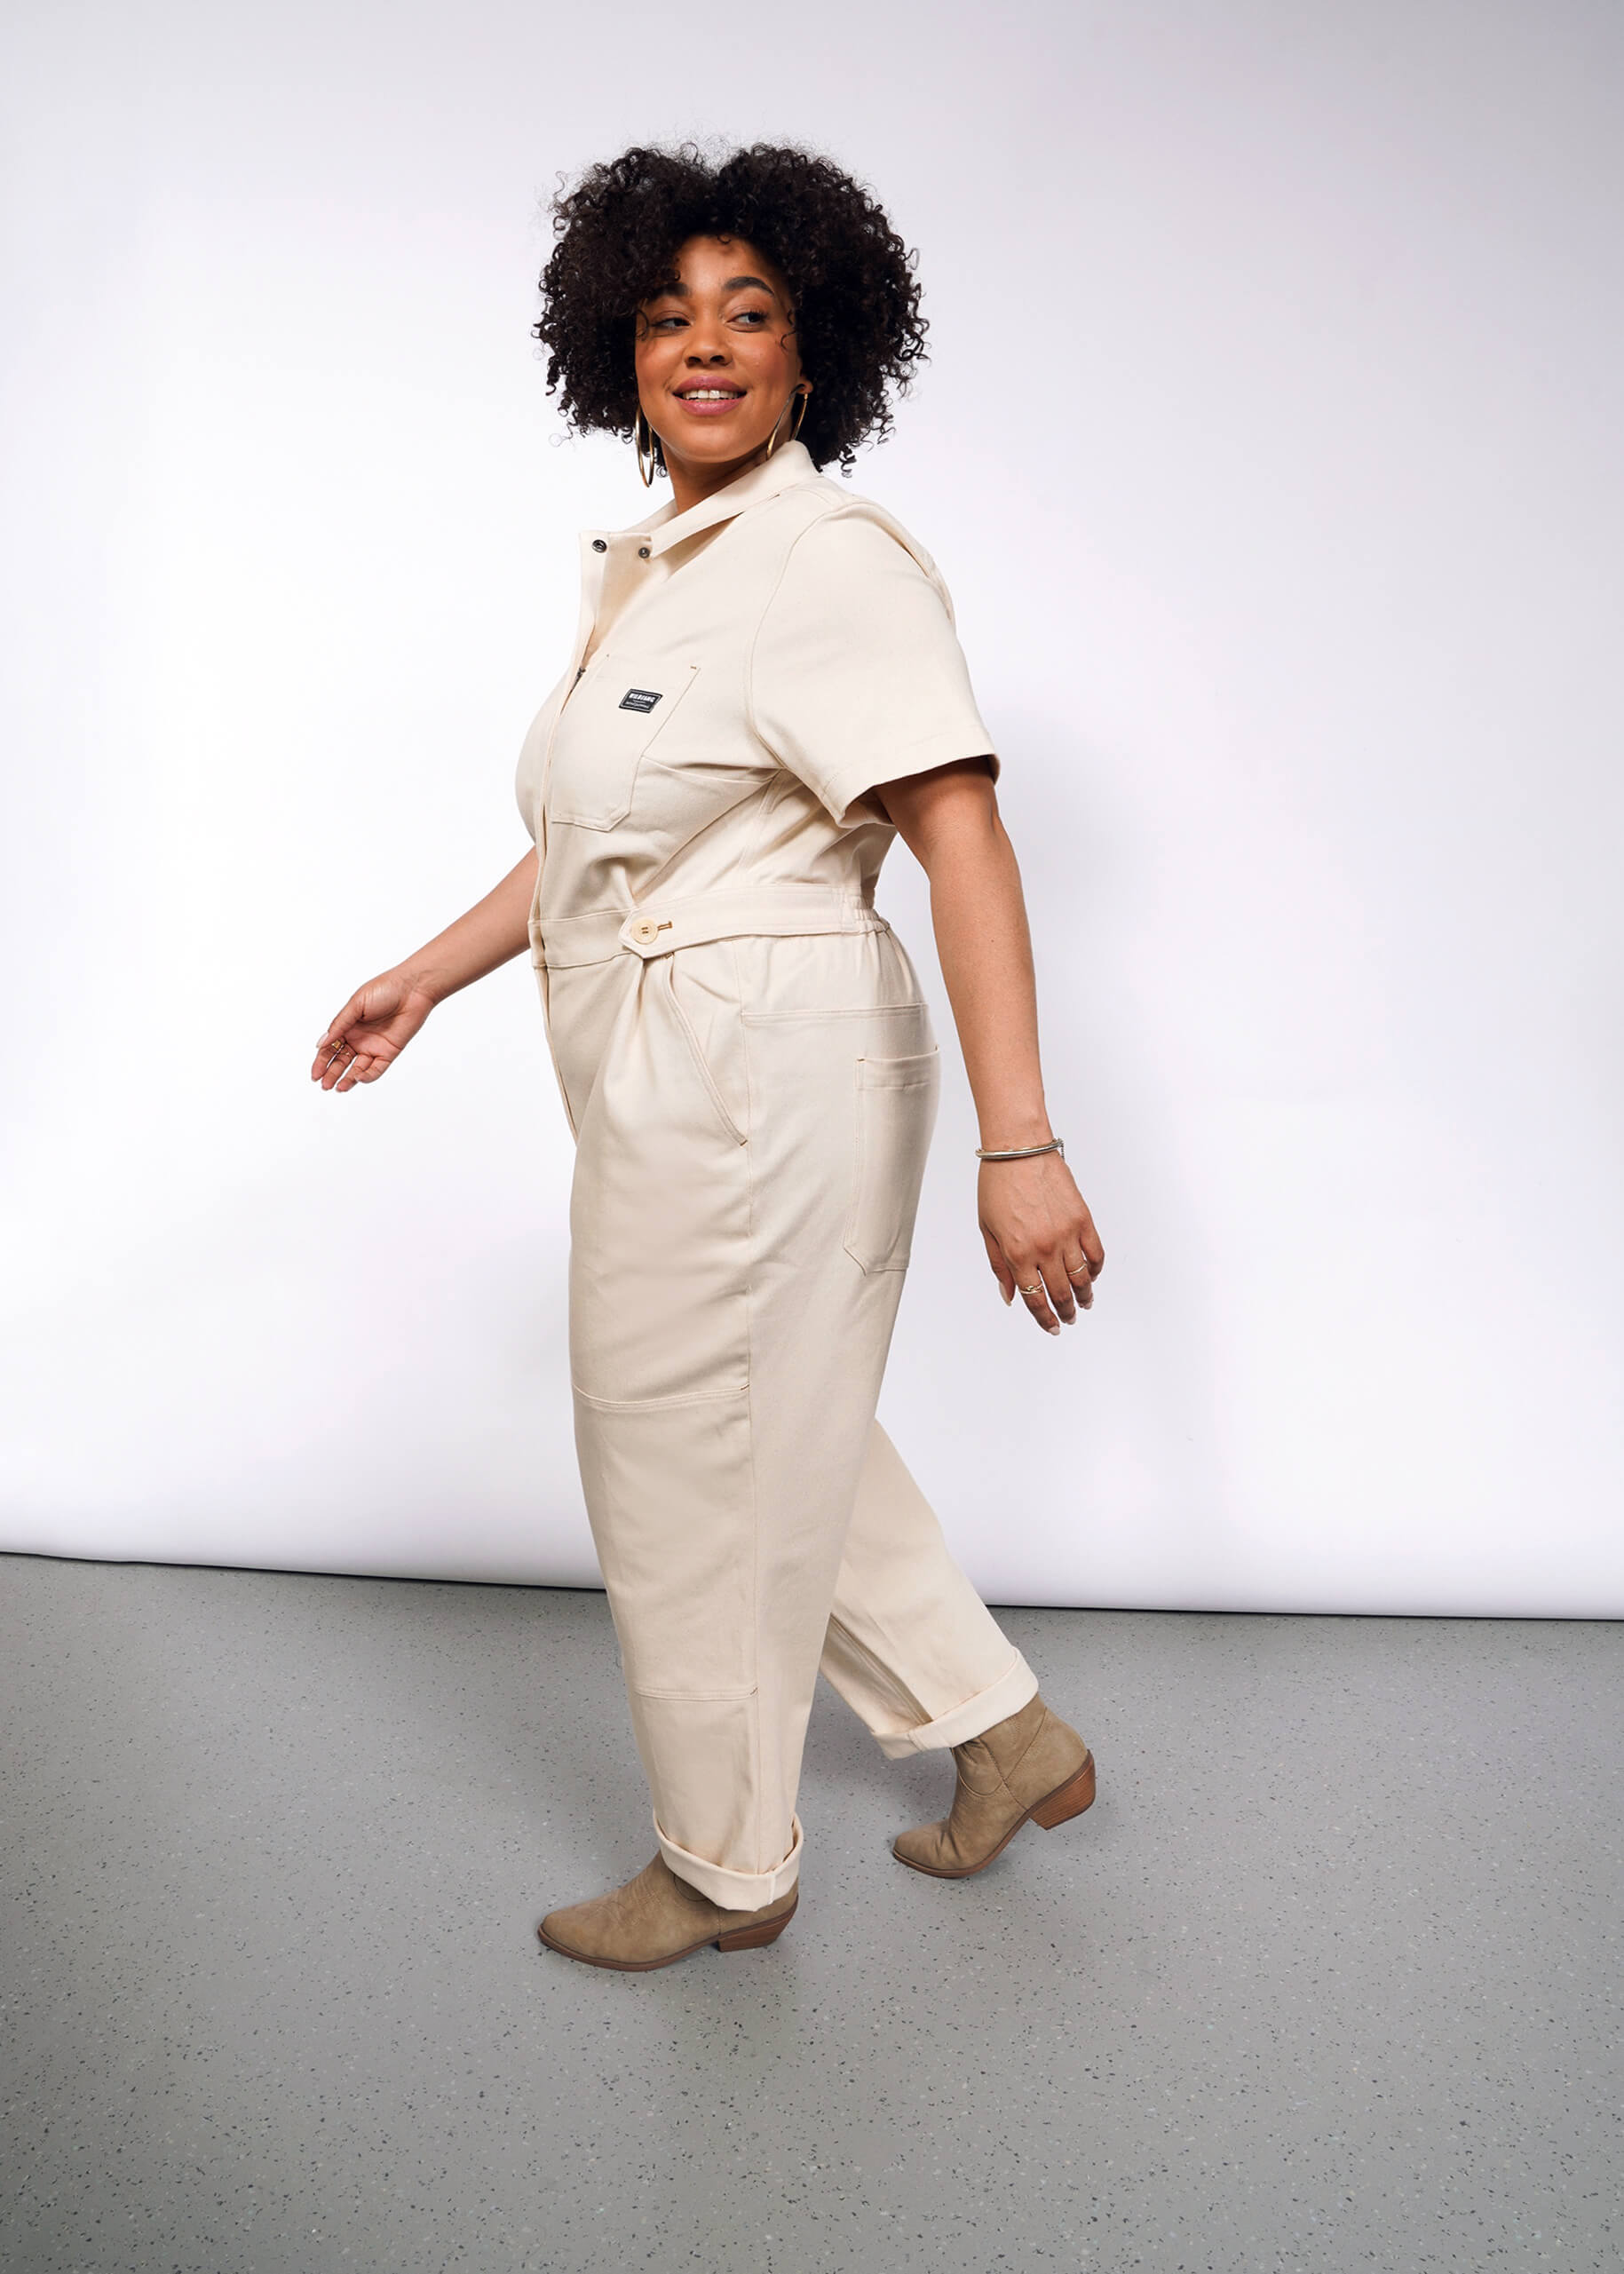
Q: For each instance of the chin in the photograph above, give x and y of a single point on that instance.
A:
(721, 445)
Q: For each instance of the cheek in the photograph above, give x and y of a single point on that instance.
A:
(651, 358)
(770, 359)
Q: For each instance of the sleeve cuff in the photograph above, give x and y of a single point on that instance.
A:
(847, 788)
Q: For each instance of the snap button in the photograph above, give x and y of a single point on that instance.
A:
(598, 545)
(642, 552)
(645, 931)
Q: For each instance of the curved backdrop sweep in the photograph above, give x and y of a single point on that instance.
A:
(1270, 447)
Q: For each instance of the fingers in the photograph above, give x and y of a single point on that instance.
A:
(339, 1065)
(335, 1058)
(1093, 1251)
(1080, 1278)
(1062, 1295)
(1001, 1270)
(1036, 1292)
(335, 1053)
(1054, 1286)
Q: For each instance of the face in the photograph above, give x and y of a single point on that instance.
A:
(717, 360)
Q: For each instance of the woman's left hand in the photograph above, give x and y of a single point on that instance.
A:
(1041, 1239)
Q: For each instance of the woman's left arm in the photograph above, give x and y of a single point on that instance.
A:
(1039, 1236)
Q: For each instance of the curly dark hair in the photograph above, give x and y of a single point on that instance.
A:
(851, 278)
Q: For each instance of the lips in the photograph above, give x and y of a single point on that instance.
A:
(710, 400)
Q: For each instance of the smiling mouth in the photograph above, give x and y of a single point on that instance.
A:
(709, 398)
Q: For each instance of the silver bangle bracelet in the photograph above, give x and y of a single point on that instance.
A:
(1023, 1152)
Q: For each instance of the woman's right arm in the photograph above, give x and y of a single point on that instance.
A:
(381, 1018)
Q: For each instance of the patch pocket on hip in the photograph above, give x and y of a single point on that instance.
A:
(605, 725)
(896, 1112)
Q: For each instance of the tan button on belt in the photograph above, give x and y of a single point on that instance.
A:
(664, 926)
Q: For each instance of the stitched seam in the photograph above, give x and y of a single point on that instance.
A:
(650, 1405)
(845, 1010)
(845, 508)
(641, 1689)
(766, 803)
(749, 1362)
(867, 1089)
(832, 506)
(703, 1069)
(750, 1103)
(890, 1680)
(749, 1358)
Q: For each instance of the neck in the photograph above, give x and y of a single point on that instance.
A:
(693, 482)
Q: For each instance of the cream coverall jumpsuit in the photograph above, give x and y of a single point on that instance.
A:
(751, 1079)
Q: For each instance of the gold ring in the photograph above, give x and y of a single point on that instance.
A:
(1032, 1290)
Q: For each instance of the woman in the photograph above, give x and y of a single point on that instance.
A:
(766, 690)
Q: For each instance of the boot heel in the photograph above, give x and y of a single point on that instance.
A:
(756, 1937)
(1071, 1800)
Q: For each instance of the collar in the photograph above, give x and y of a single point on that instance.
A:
(789, 463)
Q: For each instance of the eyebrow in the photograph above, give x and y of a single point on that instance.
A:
(733, 284)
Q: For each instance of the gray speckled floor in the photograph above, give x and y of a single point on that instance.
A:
(1328, 1979)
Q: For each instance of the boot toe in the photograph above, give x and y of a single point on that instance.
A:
(570, 1930)
(923, 1847)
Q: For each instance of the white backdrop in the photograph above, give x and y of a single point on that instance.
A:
(1270, 447)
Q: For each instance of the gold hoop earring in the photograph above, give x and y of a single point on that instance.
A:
(641, 426)
(797, 420)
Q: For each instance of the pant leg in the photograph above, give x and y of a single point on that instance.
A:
(910, 1645)
(738, 1234)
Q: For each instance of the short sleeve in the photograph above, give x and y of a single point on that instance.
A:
(856, 676)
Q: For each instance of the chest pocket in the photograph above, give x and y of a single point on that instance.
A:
(607, 721)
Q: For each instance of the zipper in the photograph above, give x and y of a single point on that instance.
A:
(581, 673)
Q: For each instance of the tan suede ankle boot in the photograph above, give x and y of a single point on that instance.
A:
(1032, 1767)
(656, 1919)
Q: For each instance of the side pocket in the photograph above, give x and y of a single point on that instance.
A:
(896, 1112)
(700, 1066)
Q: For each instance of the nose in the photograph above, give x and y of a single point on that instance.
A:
(707, 342)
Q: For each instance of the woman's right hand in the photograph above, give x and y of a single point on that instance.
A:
(371, 1031)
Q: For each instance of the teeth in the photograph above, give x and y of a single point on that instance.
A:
(710, 394)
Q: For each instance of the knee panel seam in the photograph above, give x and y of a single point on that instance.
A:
(652, 1405)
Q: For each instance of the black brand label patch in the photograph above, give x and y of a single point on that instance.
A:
(639, 699)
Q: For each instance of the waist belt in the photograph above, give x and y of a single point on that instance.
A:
(662, 926)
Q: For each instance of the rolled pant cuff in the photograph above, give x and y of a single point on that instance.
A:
(735, 1890)
(1012, 1690)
